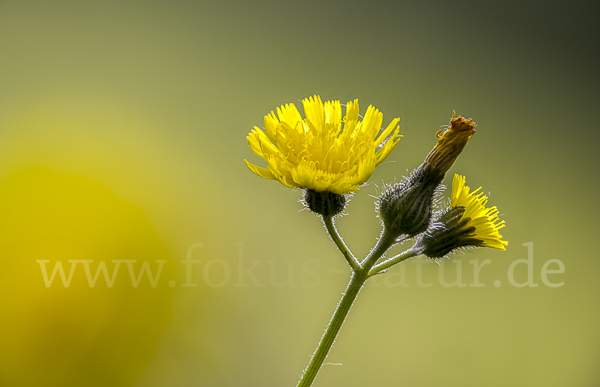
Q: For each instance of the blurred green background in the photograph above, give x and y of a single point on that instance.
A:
(122, 137)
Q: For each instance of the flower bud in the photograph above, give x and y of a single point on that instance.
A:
(405, 208)
(324, 202)
(450, 144)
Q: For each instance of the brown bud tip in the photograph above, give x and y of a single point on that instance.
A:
(451, 143)
(461, 124)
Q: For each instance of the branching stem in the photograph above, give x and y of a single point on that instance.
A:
(360, 274)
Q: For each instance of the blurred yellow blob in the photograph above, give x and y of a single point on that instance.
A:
(77, 330)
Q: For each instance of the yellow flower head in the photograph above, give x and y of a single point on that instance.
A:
(467, 222)
(484, 221)
(451, 143)
(318, 152)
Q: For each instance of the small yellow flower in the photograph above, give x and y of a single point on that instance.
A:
(451, 143)
(318, 152)
(484, 220)
(467, 222)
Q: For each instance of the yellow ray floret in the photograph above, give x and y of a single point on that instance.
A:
(484, 220)
(324, 151)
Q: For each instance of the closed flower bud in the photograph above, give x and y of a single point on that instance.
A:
(324, 203)
(450, 144)
(405, 208)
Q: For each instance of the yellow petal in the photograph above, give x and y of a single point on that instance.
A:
(263, 172)
(387, 131)
(314, 112)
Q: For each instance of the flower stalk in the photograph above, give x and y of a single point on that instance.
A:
(354, 286)
(359, 276)
(337, 239)
(381, 267)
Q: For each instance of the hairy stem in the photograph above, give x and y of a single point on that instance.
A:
(358, 279)
(392, 261)
(330, 226)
